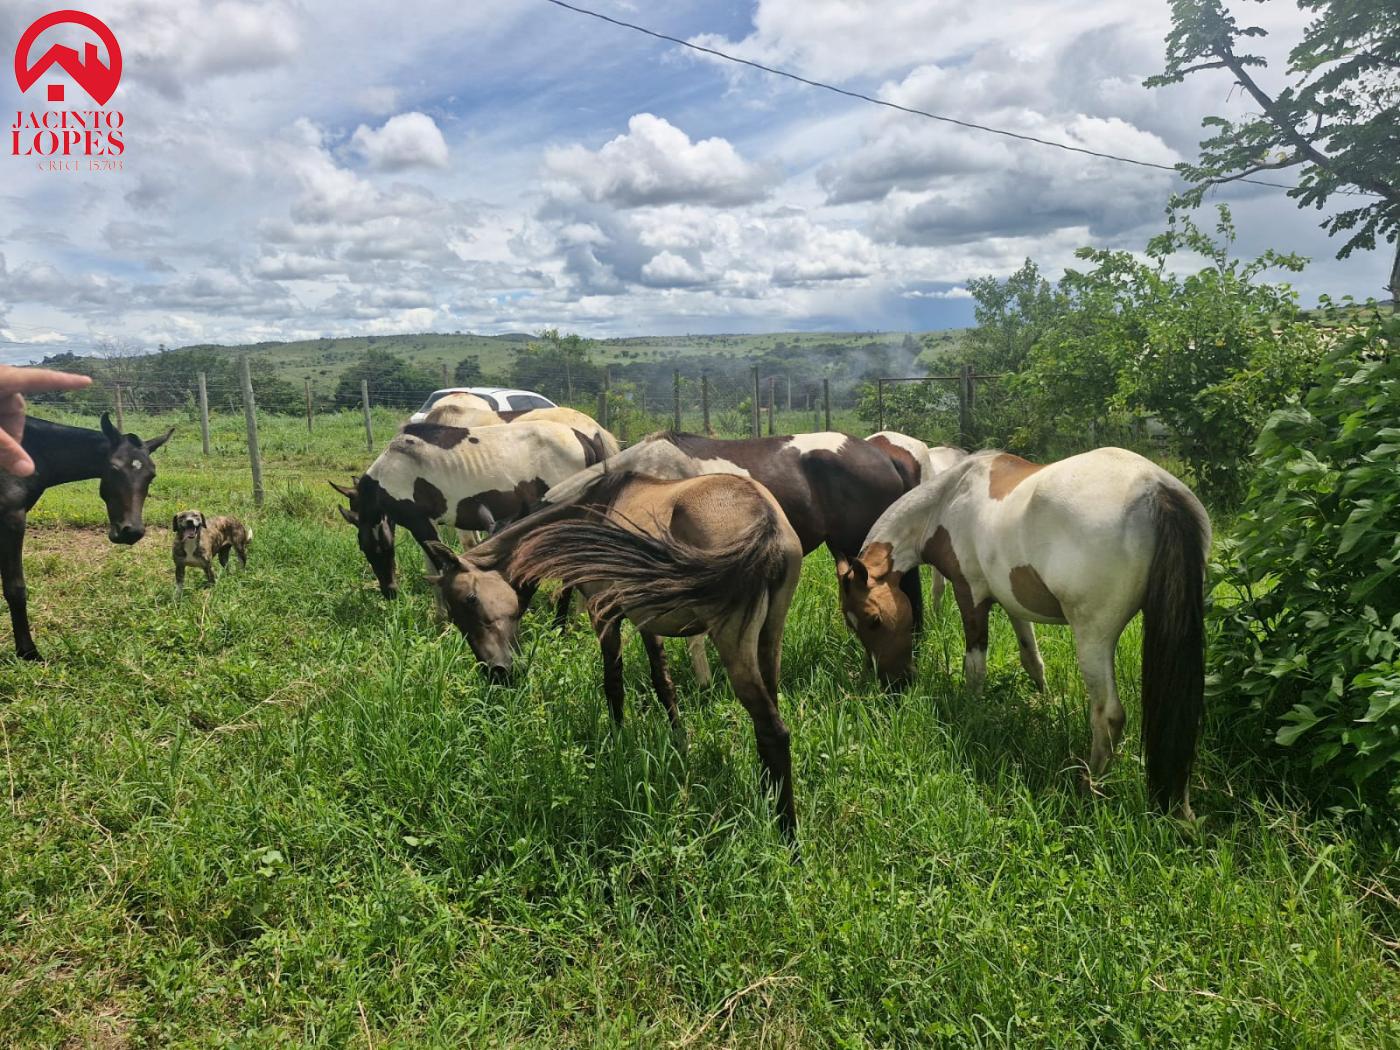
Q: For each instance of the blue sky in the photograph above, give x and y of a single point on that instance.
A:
(300, 168)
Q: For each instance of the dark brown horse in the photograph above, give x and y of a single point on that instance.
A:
(832, 487)
(62, 454)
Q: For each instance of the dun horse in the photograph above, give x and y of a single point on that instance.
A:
(712, 554)
(62, 454)
(1088, 541)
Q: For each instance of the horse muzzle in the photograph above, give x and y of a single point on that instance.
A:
(126, 534)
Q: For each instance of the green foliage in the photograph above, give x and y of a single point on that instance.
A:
(1336, 116)
(468, 372)
(1209, 354)
(1309, 655)
(558, 366)
(392, 380)
(927, 410)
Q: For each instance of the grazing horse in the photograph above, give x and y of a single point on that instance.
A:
(580, 421)
(467, 476)
(1088, 541)
(831, 486)
(912, 456)
(62, 454)
(462, 410)
(711, 554)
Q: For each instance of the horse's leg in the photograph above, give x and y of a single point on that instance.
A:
(1096, 651)
(12, 572)
(610, 641)
(739, 651)
(699, 660)
(661, 682)
(913, 587)
(974, 618)
(936, 585)
(561, 608)
(1030, 652)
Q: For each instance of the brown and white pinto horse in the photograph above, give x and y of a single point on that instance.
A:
(470, 477)
(711, 554)
(1088, 541)
(912, 457)
(580, 421)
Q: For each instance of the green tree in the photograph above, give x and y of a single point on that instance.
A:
(391, 380)
(1209, 354)
(1336, 117)
(555, 365)
(1307, 653)
(468, 372)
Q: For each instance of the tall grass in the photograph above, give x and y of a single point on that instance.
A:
(285, 812)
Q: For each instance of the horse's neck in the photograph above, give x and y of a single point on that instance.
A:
(909, 522)
(62, 454)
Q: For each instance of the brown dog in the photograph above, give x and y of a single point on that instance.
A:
(198, 540)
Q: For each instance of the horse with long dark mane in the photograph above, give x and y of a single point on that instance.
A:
(712, 554)
(62, 454)
(1088, 541)
(832, 487)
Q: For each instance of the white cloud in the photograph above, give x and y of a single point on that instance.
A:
(657, 163)
(409, 140)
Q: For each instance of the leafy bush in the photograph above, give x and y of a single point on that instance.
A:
(1309, 657)
(392, 380)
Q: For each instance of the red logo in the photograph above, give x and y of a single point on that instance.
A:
(98, 80)
(58, 137)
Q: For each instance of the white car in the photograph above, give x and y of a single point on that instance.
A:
(507, 403)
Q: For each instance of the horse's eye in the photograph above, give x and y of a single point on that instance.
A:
(874, 622)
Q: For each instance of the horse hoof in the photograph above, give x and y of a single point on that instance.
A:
(32, 655)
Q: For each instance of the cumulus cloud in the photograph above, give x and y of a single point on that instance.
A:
(657, 163)
(409, 140)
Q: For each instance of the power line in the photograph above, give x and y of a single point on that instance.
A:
(913, 111)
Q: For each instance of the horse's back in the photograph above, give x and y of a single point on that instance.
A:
(577, 420)
(909, 455)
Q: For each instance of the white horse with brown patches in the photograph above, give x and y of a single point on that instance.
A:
(469, 477)
(912, 457)
(1089, 541)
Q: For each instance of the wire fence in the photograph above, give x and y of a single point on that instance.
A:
(961, 408)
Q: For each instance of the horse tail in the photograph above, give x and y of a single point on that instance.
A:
(1173, 643)
(650, 576)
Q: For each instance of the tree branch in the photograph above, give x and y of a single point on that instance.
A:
(1288, 131)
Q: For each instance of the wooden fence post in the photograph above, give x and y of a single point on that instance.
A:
(770, 406)
(965, 406)
(445, 375)
(880, 403)
(676, 400)
(826, 401)
(308, 405)
(250, 417)
(121, 416)
(705, 404)
(754, 427)
(204, 411)
(369, 427)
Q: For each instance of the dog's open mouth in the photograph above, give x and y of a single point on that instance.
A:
(189, 532)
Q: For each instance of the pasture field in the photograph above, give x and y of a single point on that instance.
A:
(285, 812)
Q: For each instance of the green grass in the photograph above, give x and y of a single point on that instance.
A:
(285, 812)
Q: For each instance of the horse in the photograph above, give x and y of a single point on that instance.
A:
(1088, 541)
(712, 554)
(915, 459)
(580, 421)
(831, 486)
(62, 454)
(462, 410)
(470, 477)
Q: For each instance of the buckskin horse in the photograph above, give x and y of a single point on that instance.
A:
(1088, 541)
(62, 454)
(470, 477)
(831, 486)
(711, 554)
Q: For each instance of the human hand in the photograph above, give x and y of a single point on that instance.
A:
(14, 384)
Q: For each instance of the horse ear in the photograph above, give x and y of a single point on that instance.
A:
(114, 436)
(433, 579)
(342, 489)
(349, 515)
(879, 559)
(843, 566)
(151, 446)
(441, 555)
(859, 574)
